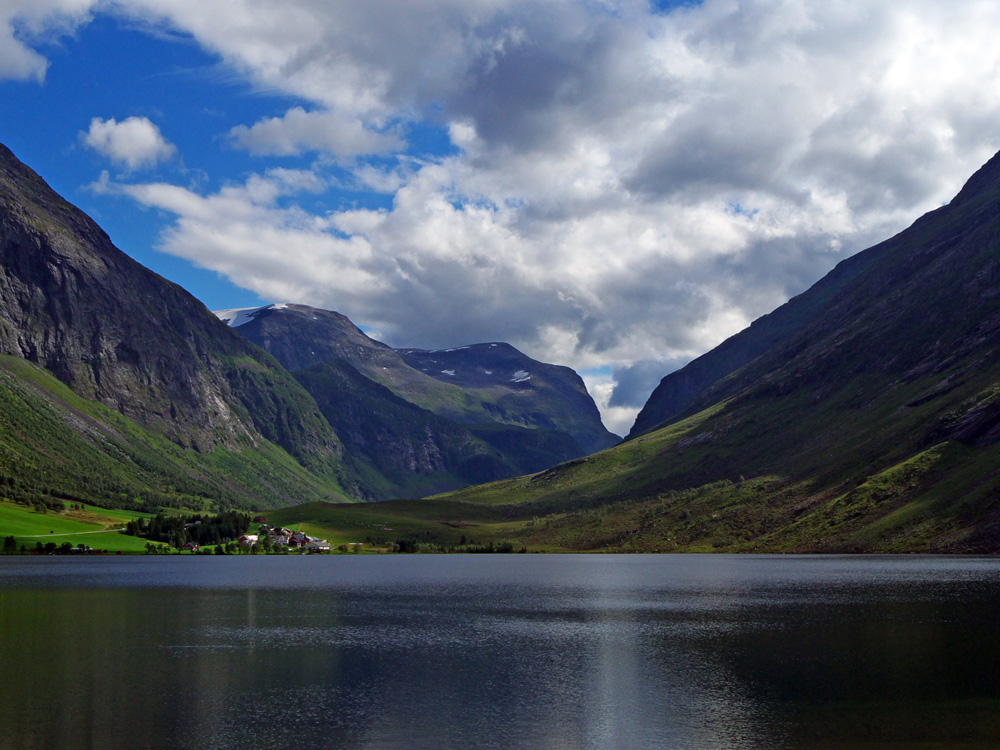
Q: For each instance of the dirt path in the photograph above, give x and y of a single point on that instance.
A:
(105, 530)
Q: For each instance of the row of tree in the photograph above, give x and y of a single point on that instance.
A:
(49, 548)
(226, 527)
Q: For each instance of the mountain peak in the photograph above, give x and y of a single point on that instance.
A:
(985, 180)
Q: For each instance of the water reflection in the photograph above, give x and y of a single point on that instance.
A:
(507, 651)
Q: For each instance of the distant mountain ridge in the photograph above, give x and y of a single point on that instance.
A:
(478, 383)
(429, 421)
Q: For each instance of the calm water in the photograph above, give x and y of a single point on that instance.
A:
(509, 651)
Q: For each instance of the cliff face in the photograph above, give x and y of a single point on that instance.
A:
(115, 332)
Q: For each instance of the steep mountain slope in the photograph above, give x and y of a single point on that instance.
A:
(413, 452)
(914, 270)
(678, 390)
(475, 384)
(872, 422)
(56, 445)
(115, 332)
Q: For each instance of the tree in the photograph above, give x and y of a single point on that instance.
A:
(9, 545)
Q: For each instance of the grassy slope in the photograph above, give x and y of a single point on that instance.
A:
(53, 443)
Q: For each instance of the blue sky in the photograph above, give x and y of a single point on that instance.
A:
(561, 175)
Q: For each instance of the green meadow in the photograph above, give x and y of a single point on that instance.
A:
(94, 527)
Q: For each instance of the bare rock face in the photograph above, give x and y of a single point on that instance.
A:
(116, 332)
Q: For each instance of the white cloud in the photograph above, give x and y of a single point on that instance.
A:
(135, 142)
(25, 23)
(298, 131)
(241, 231)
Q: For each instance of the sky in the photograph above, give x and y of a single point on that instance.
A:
(612, 186)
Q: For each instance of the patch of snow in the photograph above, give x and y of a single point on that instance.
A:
(488, 372)
(520, 376)
(238, 316)
(458, 349)
(492, 346)
(242, 315)
(448, 372)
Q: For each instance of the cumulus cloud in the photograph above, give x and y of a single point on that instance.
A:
(135, 142)
(243, 232)
(630, 187)
(298, 131)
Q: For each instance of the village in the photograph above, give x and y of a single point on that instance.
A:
(281, 538)
(270, 539)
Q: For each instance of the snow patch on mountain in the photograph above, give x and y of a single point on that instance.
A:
(520, 376)
(237, 317)
(241, 315)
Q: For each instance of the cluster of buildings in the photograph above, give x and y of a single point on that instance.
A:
(281, 537)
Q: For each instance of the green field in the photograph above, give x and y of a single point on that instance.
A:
(94, 527)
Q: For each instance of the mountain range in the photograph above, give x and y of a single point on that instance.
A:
(426, 421)
(862, 415)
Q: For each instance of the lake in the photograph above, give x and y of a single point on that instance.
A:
(500, 651)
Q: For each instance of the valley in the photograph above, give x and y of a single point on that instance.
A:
(861, 416)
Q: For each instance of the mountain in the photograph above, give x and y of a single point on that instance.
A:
(476, 384)
(412, 452)
(863, 415)
(426, 421)
(515, 389)
(118, 334)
